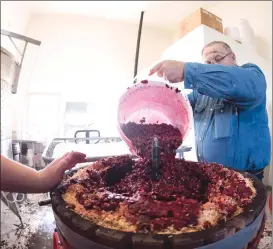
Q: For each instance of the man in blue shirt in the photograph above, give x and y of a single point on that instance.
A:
(229, 108)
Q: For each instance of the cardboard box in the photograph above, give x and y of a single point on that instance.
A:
(199, 17)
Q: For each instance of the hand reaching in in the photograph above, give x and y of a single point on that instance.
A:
(53, 173)
(16, 177)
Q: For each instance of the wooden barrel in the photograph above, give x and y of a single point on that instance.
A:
(241, 232)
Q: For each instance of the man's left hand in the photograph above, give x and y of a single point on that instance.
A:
(170, 70)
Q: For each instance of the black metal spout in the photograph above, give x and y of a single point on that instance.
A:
(155, 171)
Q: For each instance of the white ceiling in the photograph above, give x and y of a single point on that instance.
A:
(165, 14)
(162, 13)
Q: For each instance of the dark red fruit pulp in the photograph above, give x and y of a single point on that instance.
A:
(174, 200)
(177, 90)
(141, 136)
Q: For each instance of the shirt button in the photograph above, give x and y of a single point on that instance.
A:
(211, 109)
(199, 154)
(200, 139)
(221, 110)
(191, 85)
(205, 123)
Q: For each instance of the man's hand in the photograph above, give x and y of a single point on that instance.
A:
(170, 70)
(53, 173)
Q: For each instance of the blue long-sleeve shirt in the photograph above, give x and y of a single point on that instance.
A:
(230, 117)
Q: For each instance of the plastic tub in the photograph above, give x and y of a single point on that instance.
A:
(159, 103)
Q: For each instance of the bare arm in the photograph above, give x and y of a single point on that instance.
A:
(16, 177)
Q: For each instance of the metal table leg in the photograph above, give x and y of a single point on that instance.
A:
(13, 206)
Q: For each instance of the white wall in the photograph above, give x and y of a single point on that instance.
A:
(87, 58)
(14, 18)
(259, 15)
(77, 48)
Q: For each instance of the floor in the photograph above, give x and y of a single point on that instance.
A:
(39, 226)
(38, 223)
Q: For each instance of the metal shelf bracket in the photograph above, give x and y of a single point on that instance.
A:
(27, 40)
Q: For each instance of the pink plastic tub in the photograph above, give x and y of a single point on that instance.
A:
(156, 101)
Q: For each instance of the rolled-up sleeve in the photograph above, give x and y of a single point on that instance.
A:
(244, 86)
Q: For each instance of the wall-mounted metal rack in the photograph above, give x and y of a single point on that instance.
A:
(11, 36)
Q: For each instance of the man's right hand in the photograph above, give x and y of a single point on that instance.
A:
(170, 70)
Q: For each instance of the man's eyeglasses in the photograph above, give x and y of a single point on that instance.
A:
(217, 59)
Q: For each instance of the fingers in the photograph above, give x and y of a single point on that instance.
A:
(172, 71)
(76, 157)
(165, 77)
(155, 68)
(161, 72)
(69, 160)
(78, 154)
(159, 69)
(60, 158)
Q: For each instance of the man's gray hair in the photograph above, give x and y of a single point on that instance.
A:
(225, 45)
